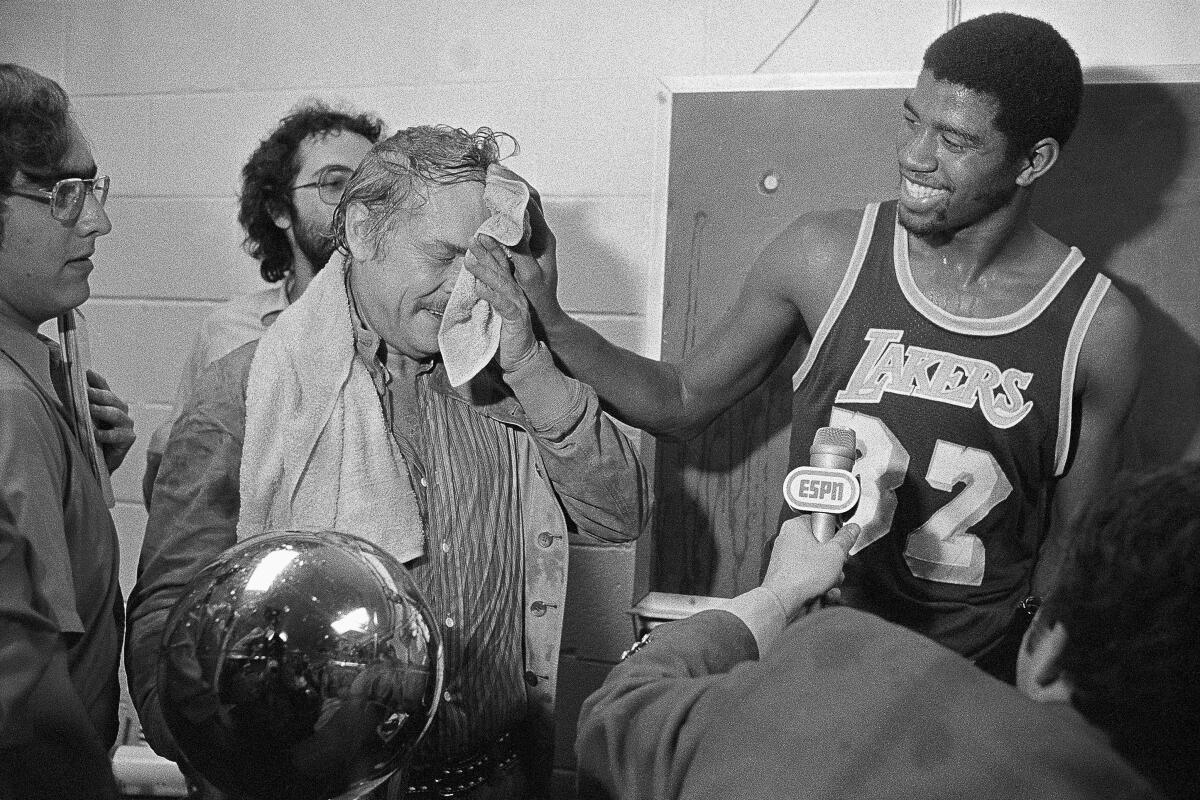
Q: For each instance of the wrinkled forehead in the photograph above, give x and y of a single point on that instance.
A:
(450, 212)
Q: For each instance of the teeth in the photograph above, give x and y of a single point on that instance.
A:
(922, 192)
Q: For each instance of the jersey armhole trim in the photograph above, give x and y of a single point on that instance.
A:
(978, 326)
(1066, 396)
(870, 213)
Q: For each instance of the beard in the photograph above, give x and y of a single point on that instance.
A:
(316, 245)
(982, 205)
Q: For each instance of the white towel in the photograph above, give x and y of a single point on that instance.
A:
(318, 455)
(470, 331)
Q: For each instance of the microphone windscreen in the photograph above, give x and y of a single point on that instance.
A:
(841, 438)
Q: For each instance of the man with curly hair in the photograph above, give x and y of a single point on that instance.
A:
(473, 485)
(290, 187)
(763, 699)
(984, 367)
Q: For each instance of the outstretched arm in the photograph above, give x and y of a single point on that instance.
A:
(673, 400)
(639, 733)
(1108, 374)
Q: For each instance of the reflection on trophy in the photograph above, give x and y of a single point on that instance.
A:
(300, 666)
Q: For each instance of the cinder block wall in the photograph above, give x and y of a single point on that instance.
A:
(174, 95)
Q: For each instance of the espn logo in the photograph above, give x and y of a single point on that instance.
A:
(818, 489)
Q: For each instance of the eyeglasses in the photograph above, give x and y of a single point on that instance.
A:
(330, 183)
(66, 197)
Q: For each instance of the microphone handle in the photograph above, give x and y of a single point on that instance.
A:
(824, 524)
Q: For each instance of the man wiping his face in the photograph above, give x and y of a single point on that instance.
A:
(459, 447)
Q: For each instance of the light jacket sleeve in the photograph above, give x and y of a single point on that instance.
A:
(592, 465)
(640, 730)
(193, 519)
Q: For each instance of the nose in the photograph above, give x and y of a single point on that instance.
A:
(450, 274)
(916, 147)
(93, 219)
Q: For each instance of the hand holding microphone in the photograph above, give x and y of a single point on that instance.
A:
(825, 488)
(802, 569)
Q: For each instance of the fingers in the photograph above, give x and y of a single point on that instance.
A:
(96, 379)
(496, 282)
(110, 419)
(846, 536)
(106, 399)
(488, 250)
(117, 434)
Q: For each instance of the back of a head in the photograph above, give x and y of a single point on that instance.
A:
(35, 131)
(398, 171)
(1024, 64)
(268, 175)
(1129, 598)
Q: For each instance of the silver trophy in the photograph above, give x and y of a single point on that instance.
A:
(300, 666)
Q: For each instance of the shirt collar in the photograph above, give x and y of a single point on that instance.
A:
(273, 302)
(29, 350)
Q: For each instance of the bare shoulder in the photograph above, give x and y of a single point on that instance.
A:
(1110, 353)
(807, 260)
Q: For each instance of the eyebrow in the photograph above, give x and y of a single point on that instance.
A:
(450, 246)
(325, 167)
(50, 177)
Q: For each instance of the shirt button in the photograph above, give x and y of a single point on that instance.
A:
(447, 696)
(449, 622)
(424, 483)
(538, 607)
(445, 547)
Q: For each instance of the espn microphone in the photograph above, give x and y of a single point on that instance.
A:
(826, 487)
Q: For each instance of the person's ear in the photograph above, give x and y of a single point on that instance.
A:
(1045, 681)
(1038, 161)
(281, 215)
(357, 240)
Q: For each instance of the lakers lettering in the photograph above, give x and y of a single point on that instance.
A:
(887, 365)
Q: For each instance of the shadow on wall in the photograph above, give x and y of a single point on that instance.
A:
(1128, 194)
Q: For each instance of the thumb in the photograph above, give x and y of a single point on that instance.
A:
(846, 536)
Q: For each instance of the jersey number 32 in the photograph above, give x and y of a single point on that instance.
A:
(943, 549)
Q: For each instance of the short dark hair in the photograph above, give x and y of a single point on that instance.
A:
(1129, 599)
(1025, 65)
(400, 168)
(35, 127)
(268, 175)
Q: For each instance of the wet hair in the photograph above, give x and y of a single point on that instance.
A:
(268, 175)
(396, 175)
(35, 127)
(1129, 599)
(1023, 64)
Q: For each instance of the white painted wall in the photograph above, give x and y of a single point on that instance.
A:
(174, 94)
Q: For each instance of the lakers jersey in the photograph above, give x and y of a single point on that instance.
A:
(960, 424)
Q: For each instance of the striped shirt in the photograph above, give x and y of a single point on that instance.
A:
(471, 573)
